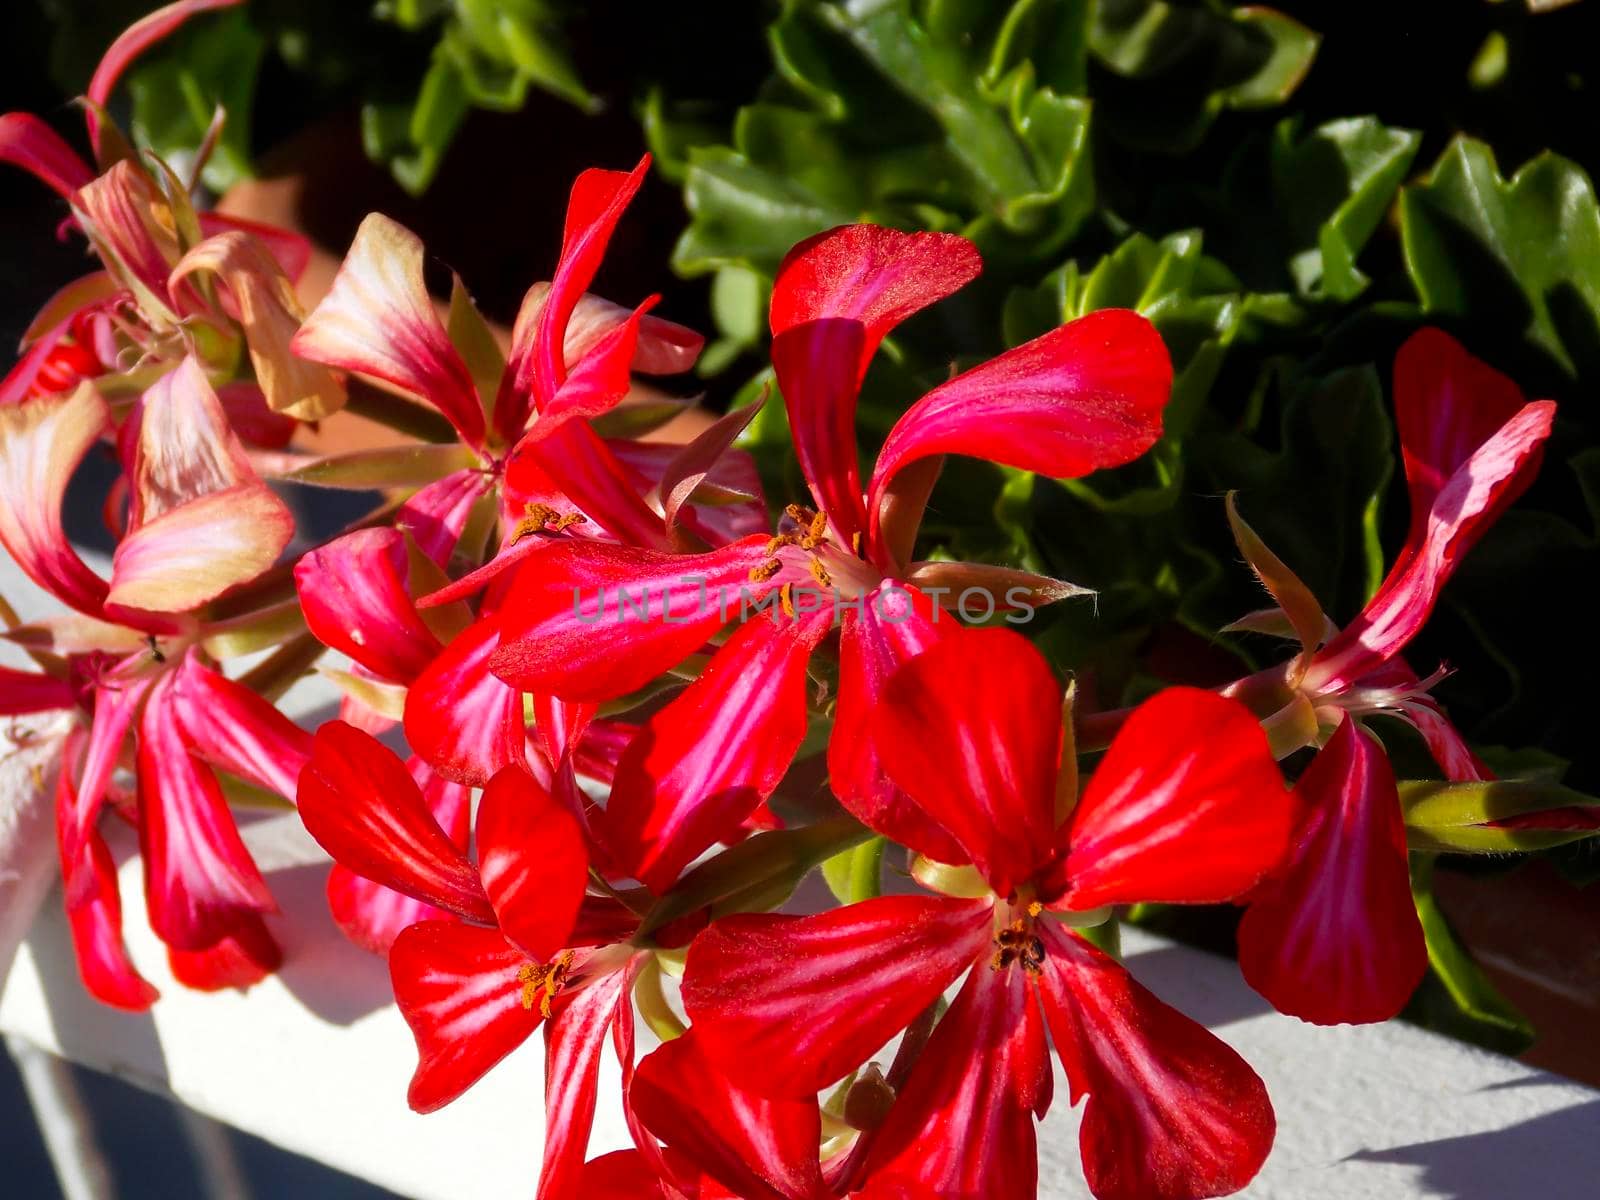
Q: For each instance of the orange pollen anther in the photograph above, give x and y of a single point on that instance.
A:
(536, 516)
(786, 599)
(765, 571)
(542, 983)
(1018, 943)
(820, 574)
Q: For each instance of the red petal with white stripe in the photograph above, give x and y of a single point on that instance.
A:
(460, 989)
(1173, 1112)
(360, 804)
(788, 1005)
(1333, 936)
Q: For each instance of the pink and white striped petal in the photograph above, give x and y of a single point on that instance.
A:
(200, 881)
(41, 444)
(378, 320)
(232, 727)
(573, 1039)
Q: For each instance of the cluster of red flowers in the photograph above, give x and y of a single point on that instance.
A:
(605, 853)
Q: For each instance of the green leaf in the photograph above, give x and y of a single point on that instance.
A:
(1315, 500)
(1477, 1011)
(386, 466)
(1454, 816)
(1334, 185)
(473, 339)
(176, 92)
(1518, 255)
(915, 115)
(1173, 67)
(856, 874)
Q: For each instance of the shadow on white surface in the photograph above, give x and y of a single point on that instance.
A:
(1552, 1157)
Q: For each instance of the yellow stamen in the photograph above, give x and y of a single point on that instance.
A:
(541, 984)
(786, 599)
(855, 543)
(765, 571)
(570, 519)
(820, 574)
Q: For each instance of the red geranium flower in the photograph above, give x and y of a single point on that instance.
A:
(1333, 936)
(1085, 396)
(1186, 807)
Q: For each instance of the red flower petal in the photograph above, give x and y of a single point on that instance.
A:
(130, 44)
(573, 1039)
(894, 625)
(355, 597)
(971, 731)
(593, 210)
(116, 703)
(460, 988)
(597, 381)
(1333, 936)
(759, 1148)
(733, 474)
(1173, 1111)
(665, 347)
(580, 466)
(372, 915)
(1470, 500)
(41, 444)
(836, 296)
(436, 515)
(95, 913)
(377, 319)
(240, 960)
(1083, 397)
(962, 1127)
(1187, 806)
(200, 882)
(231, 727)
(533, 862)
(594, 621)
(357, 800)
(625, 1175)
(31, 692)
(788, 1005)
(872, 275)
(27, 142)
(702, 764)
(465, 722)
(1447, 404)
